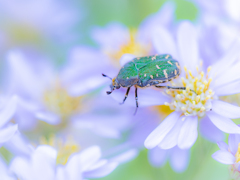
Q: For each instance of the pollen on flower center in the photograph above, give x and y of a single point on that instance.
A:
(65, 148)
(133, 46)
(60, 102)
(188, 102)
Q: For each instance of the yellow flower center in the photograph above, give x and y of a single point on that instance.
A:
(187, 102)
(65, 149)
(163, 111)
(20, 33)
(237, 155)
(133, 46)
(60, 102)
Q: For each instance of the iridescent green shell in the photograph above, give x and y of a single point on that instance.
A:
(148, 71)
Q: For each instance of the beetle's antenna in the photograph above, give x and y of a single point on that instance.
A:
(104, 75)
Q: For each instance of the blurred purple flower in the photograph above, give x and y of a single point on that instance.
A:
(62, 96)
(46, 18)
(116, 39)
(43, 164)
(230, 154)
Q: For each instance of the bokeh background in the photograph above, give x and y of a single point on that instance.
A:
(81, 16)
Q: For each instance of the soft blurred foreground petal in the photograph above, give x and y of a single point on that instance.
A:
(188, 133)
(4, 173)
(222, 145)
(157, 157)
(102, 171)
(224, 157)
(224, 124)
(158, 134)
(48, 117)
(85, 158)
(8, 132)
(7, 112)
(226, 109)
(126, 156)
(18, 145)
(179, 159)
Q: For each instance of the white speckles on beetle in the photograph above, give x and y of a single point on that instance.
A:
(145, 75)
(165, 73)
(157, 75)
(157, 66)
(154, 58)
(167, 56)
(151, 76)
(177, 65)
(169, 62)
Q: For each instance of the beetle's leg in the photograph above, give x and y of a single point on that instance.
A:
(136, 97)
(171, 87)
(126, 95)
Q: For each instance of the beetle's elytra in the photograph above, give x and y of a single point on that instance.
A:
(146, 71)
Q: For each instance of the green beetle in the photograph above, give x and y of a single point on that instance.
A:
(146, 71)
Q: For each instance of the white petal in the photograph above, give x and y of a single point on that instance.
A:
(187, 44)
(228, 89)
(224, 157)
(164, 43)
(8, 111)
(227, 60)
(158, 134)
(224, 124)
(188, 133)
(102, 171)
(7, 132)
(171, 138)
(88, 157)
(43, 162)
(222, 145)
(20, 166)
(226, 109)
(48, 117)
(126, 58)
(225, 78)
(126, 156)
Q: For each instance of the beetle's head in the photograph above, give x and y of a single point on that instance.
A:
(114, 84)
